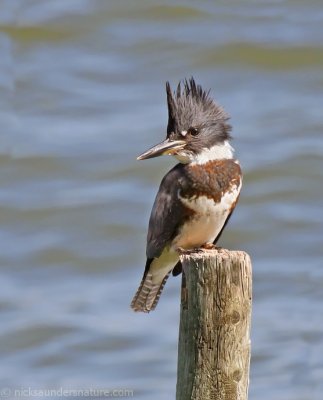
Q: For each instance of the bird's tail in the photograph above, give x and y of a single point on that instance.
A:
(148, 293)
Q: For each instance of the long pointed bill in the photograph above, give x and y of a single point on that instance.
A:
(164, 148)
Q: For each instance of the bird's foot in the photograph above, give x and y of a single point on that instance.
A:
(208, 246)
(211, 246)
(205, 246)
(187, 252)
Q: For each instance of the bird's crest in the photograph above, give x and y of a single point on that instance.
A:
(191, 102)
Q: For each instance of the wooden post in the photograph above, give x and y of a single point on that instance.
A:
(214, 333)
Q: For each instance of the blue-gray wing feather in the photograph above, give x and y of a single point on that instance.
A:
(167, 213)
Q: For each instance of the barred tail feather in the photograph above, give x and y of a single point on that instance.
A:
(148, 293)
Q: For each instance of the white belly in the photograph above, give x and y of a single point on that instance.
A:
(208, 221)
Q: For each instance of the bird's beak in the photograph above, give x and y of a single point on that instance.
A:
(164, 148)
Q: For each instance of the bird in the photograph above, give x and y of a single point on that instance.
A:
(196, 198)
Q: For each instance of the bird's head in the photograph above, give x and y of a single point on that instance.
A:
(197, 129)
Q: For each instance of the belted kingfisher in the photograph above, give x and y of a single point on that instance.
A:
(197, 197)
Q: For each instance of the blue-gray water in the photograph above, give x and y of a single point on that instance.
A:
(81, 95)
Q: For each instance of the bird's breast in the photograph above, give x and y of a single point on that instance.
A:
(210, 201)
(205, 222)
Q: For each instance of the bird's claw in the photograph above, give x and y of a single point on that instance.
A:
(205, 246)
(208, 246)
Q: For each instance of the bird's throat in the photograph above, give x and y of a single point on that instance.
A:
(217, 152)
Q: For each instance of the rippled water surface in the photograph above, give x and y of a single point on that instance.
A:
(81, 94)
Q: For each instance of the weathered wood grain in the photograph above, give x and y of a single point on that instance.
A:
(214, 336)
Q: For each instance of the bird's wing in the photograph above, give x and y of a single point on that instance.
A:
(166, 215)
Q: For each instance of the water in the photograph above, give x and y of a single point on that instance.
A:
(81, 95)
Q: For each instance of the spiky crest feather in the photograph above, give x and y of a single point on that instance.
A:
(190, 102)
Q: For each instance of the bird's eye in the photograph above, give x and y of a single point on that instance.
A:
(193, 131)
